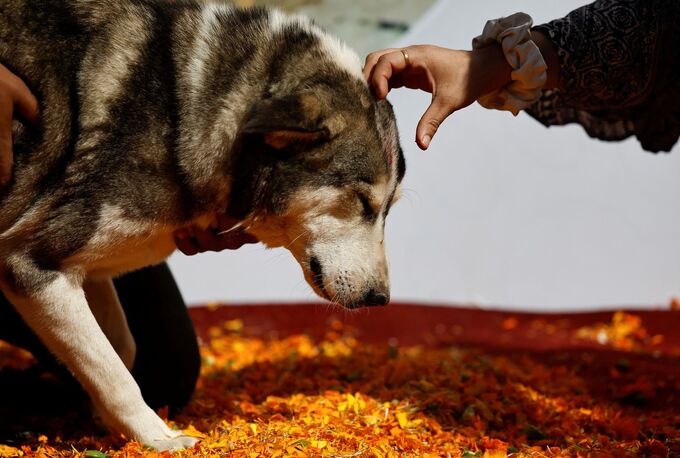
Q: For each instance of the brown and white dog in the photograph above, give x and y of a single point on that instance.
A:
(156, 115)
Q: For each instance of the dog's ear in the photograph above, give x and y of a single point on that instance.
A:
(288, 121)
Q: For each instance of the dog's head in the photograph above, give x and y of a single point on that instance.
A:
(317, 173)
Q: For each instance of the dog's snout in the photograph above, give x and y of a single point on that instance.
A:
(374, 297)
(350, 288)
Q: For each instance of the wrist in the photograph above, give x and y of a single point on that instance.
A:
(489, 69)
(528, 73)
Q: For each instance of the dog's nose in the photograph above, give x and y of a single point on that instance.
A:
(374, 297)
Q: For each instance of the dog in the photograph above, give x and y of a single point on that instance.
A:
(156, 115)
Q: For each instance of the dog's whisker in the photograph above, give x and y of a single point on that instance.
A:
(408, 193)
(334, 299)
(303, 233)
(231, 229)
(302, 287)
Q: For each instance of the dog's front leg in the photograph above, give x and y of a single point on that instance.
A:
(103, 300)
(53, 304)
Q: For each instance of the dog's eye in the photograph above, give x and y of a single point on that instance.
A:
(366, 205)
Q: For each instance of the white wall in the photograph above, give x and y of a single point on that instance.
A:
(500, 211)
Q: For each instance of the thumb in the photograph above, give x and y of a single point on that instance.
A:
(26, 103)
(434, 116)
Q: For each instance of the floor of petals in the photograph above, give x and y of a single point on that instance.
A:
(403, 380)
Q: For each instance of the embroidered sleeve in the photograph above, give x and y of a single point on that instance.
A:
(618, 57)
(606, 50)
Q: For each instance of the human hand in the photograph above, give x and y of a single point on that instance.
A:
(455, 78)
(223, 237)
(14, 96)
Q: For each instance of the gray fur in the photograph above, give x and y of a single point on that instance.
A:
(165, 151)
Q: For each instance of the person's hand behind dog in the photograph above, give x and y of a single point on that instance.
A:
(15, 96)
(222, 237)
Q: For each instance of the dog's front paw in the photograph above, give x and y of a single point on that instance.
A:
(178, 442)
(147, 428)
(162, 438)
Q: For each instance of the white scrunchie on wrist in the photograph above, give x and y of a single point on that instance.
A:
(529, 68)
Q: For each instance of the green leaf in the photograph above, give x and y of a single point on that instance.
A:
(470, 453)
(301, 443)
(96, 454)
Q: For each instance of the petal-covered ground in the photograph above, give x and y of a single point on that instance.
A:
(398, 381)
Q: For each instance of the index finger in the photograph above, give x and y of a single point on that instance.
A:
(235, 240)
(387, 65)
(372, 59)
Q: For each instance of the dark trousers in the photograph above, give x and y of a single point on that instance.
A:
(167, 362)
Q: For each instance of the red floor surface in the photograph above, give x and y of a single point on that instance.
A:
(412, 324)
(624, 363)
(547, 336)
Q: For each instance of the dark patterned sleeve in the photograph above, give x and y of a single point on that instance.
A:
(620, 72)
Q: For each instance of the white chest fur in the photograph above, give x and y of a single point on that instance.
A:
(120, 244)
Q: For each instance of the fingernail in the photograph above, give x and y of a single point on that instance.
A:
(426, 140)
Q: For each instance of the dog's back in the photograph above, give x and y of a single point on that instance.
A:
(42, 43)
(103, 72)
(109, 77)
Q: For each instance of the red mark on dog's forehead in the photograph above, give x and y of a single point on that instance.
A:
(386, 135)
(389, 152)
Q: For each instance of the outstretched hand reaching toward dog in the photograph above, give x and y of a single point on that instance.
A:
(15, 97)
(455, 78)
(445, 73)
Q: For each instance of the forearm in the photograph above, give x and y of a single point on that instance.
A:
(489, 70)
